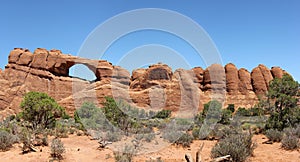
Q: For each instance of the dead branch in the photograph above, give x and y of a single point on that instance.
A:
(227, 157)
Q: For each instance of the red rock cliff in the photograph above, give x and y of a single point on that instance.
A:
(156, 87)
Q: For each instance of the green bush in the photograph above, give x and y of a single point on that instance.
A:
(243, 112)
(40, 110)
(163, 114)
(212, 113)
(290, 142)
(230, 107)
(89, 116)
(274, 135)
(6, 140)
(57, 148)
(226, 115)
(238, 146)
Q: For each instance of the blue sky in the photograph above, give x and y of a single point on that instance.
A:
(246, 33)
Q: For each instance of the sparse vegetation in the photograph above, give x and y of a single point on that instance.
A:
(6, 140)
(163, 114)
(212, 123)
(184, 140)
(125, 155)
(274, 135)
(290, 142)
(57, 148)
(238, 146)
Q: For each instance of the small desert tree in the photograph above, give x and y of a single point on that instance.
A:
(40, 110)
(282, 94)
(116, 116)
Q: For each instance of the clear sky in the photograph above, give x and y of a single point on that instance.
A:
(246, 33)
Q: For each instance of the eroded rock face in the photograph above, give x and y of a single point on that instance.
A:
(156, 87)
(157, 74)
(258, 81)
(245, 85)
(215, 78)
(198, 72)
(232, 79)
(266, 74)
(277, 72)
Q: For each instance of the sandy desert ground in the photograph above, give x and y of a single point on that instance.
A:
(83, 149)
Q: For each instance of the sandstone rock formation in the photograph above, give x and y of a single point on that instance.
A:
(245, 85)
(277, 72)
(156, 87)
(232, 78)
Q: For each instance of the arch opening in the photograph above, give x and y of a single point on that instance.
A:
(82, 71)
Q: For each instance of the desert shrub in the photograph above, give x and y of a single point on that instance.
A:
(126, 155)
(40, 110)
(230, 107)
(112, 136)
(196, 132)
(163, 114)
(254, 111)
(290, 131)
(226, 115)
(184, 140)
(117, 117)
(6, 140)
(274, 135)
(297, 130)
(238, 146)
(27, 139)
(243, 112)
(156, 160)
(171, 135)
(89, 116)
(45, 141)
(61, 130)
(290, 142)
(148, 137)
(182, 124)
(10, 125)
(211, 113)
(57, 148)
